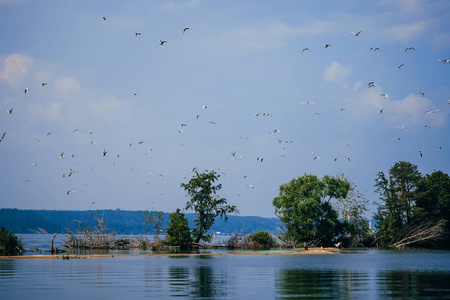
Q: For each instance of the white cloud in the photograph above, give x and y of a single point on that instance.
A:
(67, 87)
(410, 110)
(336, 72)
(14, 68)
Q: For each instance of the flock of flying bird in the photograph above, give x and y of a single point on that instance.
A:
(234, 156)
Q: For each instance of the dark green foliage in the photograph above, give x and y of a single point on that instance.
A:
(178, 233)
(397, 194)
(433, 201)
(264, 239)
(304, 206)
(10, 244)
(206, 203)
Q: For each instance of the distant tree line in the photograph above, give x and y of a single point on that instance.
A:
(121, 221)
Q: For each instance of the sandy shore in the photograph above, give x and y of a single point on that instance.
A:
(311, 251)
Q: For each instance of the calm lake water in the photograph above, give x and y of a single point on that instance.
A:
(364, 274)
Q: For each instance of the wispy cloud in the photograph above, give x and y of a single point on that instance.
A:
(14, 68)
(336, 72)
(67, 86)
(179, 5)
(259, 37)
(405, 32)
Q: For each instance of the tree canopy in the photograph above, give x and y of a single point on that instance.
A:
(304, 206)
(206, 203)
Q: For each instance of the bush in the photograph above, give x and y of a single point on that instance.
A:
(10, 244)
(178, 233)
(264, 239)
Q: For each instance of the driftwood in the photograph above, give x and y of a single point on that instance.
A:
(54, 249)
(425, 232)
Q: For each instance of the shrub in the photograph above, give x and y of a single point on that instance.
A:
(10, 244)
(264, 239)
(178, 233)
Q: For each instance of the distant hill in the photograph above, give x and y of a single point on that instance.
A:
(120, 221)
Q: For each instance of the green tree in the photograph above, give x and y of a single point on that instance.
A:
(397, 196)
(178, 233)
(264, 239)
(10, 244)
(154, 220)
(304, 206)
(433, 200)
(206, 203)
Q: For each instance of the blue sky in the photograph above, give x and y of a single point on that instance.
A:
(108, 88)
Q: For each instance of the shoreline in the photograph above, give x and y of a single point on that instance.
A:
(311, 251)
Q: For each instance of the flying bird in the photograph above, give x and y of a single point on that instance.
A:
(347, 158)
(356, 33)
(371, 84)
(44, 84)
(422, 93)
(187, 28)
(381, 111)
(316, 157)
(137, 33)
(104, 152)
(427, 127)
(400, 65)
(233, 153)
(307, 102)
(161, 42)
(204, 107)
(306, 49)
(62, 156)
(3, 136)
(420, 153)
(9, 111)
(374, 49)
(444, 61)
(104, 18)
(384, 95)
(410, 48)
(326, 45)
(27, 90)
(400, 128)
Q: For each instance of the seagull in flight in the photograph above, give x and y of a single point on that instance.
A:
(104, 18)
(420, 153)
(187, 28)
(375, 49)
(381, 111)
(422, 93)
(384, 95)
(356, 33)
(400, 128)
(9, 111)
(347, 158)
(62, 156)
(444, 61)
(307, 102)
(204, 107)
(27, 90)
(306, 49)
(316, 157)
(161, 42)
(410, 48)
(3, 136)
(326, 45)
(137, 33)
(371, 84)
(400, 65)
(44, 84)
(104, 152)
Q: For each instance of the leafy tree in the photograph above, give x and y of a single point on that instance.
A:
(178, 233)
(206, 203)
(397, 194)
(264, 239)
(10, 244)
(433, 200)
(304, 206)
(154, 220)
